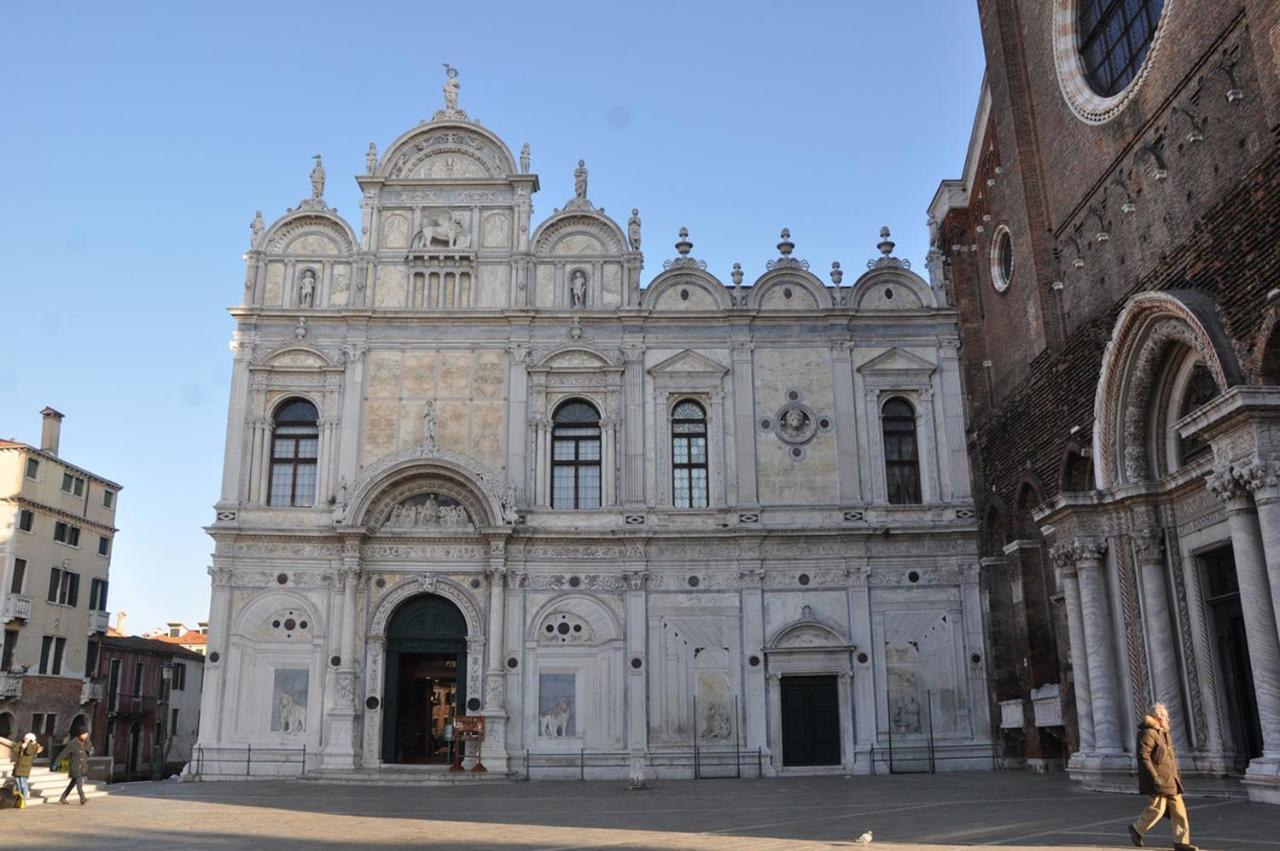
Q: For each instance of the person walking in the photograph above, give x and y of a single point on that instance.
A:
(79, 749)
(1158, 777)
(25, 753)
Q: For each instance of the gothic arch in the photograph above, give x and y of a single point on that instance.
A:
(1075, 470)
(995, 527)
(1147, 326)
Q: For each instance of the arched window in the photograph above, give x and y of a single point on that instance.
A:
(295, 445)
(689, 455)
(1201, 387)
(1114, 38)
(901, 459)
(575, 456)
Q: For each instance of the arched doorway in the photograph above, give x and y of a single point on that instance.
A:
(426, 679)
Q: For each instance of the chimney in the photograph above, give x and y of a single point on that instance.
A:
(120, 619)
(51, 431)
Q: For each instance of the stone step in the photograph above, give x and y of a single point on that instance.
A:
(409, 776)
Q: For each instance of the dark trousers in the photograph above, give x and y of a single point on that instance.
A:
(76, 783)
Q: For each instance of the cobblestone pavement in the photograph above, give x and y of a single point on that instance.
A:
(1006, 810)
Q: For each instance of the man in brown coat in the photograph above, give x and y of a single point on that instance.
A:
(1158, 777)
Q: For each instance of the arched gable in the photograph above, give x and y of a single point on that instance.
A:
(788, 288)
(599, 623)
(578, 233)
(310, 233)
(255, 619)
(422, 470)
(574, 357)
(807, 632)
(296, 357)
(891, 288)
(1147, 325)
(685, 289)
(427, 583)
(419, 152)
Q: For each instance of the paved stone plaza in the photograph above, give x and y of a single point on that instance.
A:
(904, 812)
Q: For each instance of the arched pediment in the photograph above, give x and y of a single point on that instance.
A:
(685, 289)
(1147, 326)
(296, 357)
(579, 233)
(587, 621)
(891, 288)
(407, 477)
(257, 618)
(788, 288)
(426, 149)
(807, 633)
(575, 357)
(310, 233)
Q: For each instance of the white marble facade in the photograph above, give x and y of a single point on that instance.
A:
(438, 339)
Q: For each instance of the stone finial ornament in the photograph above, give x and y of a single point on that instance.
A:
(525, 155)
(371, 159)
(317, 178)
(683, 247)
(451, 86)
(256, 229)
(633, 229)
(300, 331)
(886, 258)
(736, 274)
(786, 246)
(837, 275)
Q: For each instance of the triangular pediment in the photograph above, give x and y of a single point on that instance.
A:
(897, 360)
(688, 362)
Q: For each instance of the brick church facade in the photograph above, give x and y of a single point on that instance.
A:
(1113, 249)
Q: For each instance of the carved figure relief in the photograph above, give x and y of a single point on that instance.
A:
(289, 701)
(442, 230)
(556, 698)
(427, 511)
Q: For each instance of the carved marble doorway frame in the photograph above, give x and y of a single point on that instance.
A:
(808, 648)
(376, 652)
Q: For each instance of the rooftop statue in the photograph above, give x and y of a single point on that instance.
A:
(633, 229)
(317, 179)
(451, 86)
(580, 180)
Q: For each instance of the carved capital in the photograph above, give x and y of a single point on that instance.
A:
(1255, 473)
(519, 352)
(1223, 484)
(632, 353)
(751, 577)
(1069, 554)
(220, 576)
(1149, 544)
(637, 580)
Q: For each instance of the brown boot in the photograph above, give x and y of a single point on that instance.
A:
(1134, 836)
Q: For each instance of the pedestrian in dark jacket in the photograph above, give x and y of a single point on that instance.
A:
(25, 755)
(1158, 778)
(79, 749)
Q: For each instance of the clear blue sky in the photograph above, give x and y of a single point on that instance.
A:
(139, 138)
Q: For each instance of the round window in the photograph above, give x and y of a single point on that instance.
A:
(1002, 259)
(1101, 50)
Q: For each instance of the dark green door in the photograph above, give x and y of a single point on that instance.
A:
(810, 721)
(425, 627)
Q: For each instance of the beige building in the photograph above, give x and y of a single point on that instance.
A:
(57, 524)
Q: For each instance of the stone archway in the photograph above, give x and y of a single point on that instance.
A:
(425, 679)
(377, 645)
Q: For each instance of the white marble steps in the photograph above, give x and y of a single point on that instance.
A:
(409, 775)
(47, 786)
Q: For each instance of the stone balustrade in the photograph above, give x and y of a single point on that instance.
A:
(16, 607)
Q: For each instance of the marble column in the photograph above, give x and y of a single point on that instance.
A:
(493, 750)
(751, 575)
(1079, 658)
(348, 443)
(637, 685)
(864, 682)
(339, 743)
(1162, 652)
(844, 702)
(1256, 602)
(1100, 658)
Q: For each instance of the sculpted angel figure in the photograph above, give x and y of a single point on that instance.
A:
(451, 86)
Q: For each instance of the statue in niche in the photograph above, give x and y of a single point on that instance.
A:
(307, 289)
(317, 179)
(578, 288)
(716, 723)
(451, 86)
(256, 227)
(580, 180)
(633, 229)
(524, 158)
(429, 425)
(371, 158)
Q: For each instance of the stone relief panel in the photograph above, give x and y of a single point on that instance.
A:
(496, 230)
(395, 231)
(611, 285)
(427, 511)
(340, 291)
(806, 374)
(289, 701)
(274, 295)
(578, 245)
(546, 287)
(310, 244)
(922, 670)
(494, 285)
(392, 287)
(693, 652)
(557, 699)
(460, 393)
(449, 165)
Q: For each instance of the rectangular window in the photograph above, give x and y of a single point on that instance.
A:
(137, 678)
(59, 648)
(91, 659)
(113, 686)
(173, 722)
(72, 596)
(33, 468)
(60, 532)
(64, 587)
(19, 576)
(179, 676)
(79, 487)
(55, 583)
(73, 536)
(98, 595)
(108, 498)
(10, 647)
(68, 481)
(46, 650)
(104, 545)
(43, 724)
(26, 520)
